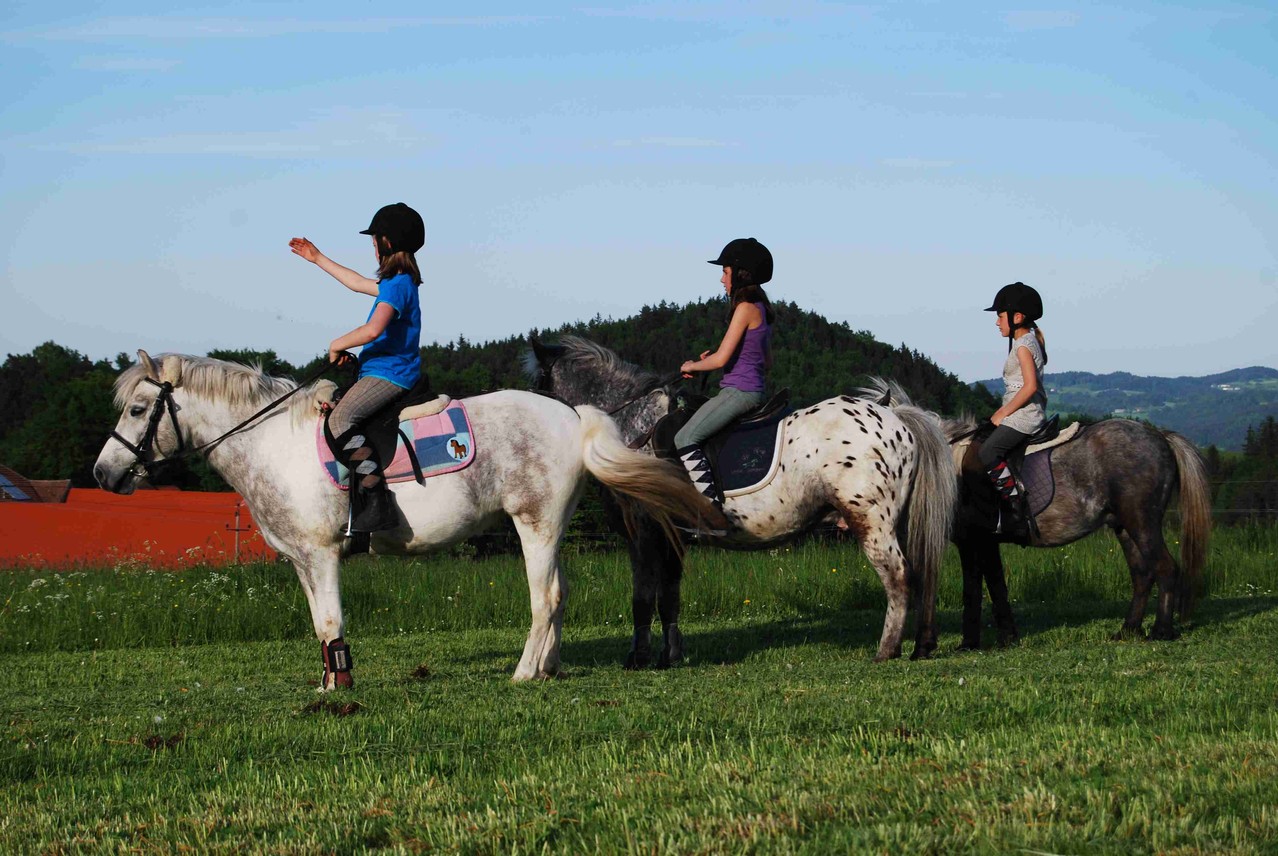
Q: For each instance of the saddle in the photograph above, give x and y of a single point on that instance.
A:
(743, 456)
(1031, 465)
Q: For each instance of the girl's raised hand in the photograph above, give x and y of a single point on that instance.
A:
(304, 248)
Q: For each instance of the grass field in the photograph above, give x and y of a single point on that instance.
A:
(156, 712)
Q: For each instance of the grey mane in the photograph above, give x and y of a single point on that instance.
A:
(605, 368)
(237, 385)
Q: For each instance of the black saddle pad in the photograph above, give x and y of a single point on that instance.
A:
(741, 457)
(1040, 485)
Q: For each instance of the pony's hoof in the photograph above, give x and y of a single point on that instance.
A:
(1164, 634)
(637, 660)
(923, 652)
(1007, 640)
(666, 661)
(1127, 634)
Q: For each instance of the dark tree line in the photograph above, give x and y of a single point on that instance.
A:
(1247, 483)
(56, 406)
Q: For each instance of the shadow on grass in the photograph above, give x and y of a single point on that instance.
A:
(857, 631)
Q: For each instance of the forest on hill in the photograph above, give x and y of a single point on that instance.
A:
(57, 404)
(56, 407)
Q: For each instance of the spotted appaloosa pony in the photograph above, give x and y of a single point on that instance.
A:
(536, 454)
(1117, 473)
(883, 470)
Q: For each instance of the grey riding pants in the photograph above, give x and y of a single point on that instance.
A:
(715, 414)
(368, 395)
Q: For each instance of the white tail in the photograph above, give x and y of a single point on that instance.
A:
(659, 486)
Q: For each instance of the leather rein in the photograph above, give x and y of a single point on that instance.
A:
(144, 464)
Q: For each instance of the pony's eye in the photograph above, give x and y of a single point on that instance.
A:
(137, 410)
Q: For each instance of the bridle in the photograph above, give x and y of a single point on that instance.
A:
(144, 464)
(144, 451)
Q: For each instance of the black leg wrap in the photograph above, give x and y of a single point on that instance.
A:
(339, 656)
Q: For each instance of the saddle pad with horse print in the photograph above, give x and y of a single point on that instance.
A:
(443, 443)
(747, 456)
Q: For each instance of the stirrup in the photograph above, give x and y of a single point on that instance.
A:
(371, 510)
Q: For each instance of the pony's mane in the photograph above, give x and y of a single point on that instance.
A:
(237, 385)
(605, 364)
(879, 389)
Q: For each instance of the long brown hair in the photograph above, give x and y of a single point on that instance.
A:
(393, 264)
(745, 291)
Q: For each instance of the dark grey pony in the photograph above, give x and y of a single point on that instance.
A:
(882, 469)
(1117, 473)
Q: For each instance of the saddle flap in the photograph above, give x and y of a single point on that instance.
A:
(769, 409)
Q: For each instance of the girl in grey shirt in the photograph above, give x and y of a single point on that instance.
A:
(1024, 398)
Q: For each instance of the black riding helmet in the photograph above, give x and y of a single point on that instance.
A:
(746, 254)
(401, 226)
(1018, 297)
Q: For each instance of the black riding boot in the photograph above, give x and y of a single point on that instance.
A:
(372, 505)
(1013, 500)
(694, 461)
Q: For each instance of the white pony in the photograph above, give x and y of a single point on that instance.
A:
(535, 455)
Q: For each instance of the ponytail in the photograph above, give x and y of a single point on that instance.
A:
(1042, 343)
(744, 290)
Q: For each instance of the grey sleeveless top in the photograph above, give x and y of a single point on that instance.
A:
(1031, 417)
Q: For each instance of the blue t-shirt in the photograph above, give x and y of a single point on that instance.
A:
(396, 355)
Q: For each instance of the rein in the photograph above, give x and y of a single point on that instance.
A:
(663, 382)
(144, 450)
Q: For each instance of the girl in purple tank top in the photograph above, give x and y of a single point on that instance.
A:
(745, 354)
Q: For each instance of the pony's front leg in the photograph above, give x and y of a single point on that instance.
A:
(547, 591)
(656, 569)
(319, 573)
(643, 603)
(973, 593)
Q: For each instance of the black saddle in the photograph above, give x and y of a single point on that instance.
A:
(1033, 478)
(741, 454)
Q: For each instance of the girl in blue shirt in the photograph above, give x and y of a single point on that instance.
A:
(390, 362)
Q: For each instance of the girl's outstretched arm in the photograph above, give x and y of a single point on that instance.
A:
(347, 277)
(742, 316)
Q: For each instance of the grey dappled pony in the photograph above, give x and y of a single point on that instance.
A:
(1117, 473)
(885, 470)
(535, 454)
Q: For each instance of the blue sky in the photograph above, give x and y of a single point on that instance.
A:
(901, 161)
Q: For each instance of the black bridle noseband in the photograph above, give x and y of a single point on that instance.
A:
(144, 451)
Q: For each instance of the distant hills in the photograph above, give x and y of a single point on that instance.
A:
(1212, 410)
(815, 357)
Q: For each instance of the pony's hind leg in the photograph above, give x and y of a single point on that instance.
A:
(1148, 560)
(878, 541)
(547, 591)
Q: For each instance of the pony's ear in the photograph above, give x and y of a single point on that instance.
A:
(539, 350)
(172, 371)
(149, 364)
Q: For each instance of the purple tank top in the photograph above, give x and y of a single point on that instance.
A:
(745, 370)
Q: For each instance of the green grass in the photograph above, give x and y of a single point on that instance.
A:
(154, 728)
